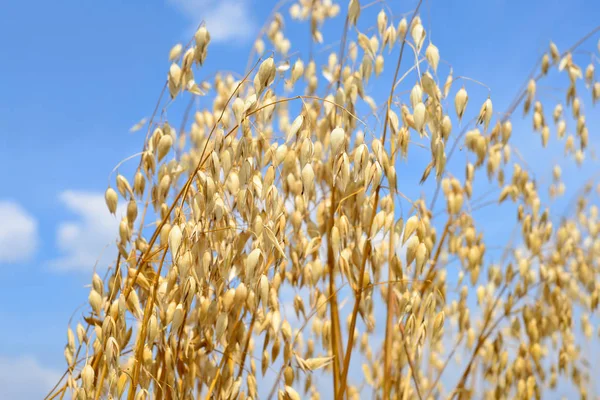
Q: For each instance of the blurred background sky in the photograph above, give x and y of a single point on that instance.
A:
(76, 75)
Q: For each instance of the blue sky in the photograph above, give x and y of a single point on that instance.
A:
(78, 74)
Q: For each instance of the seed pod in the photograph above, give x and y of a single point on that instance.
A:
(545, 135)
(164, 146)
(174, 80)
(506, 131)
(81, 335)
(268, 180)
(402, 28)
(175, 52)
(175, 236)
(70, 339)
(335, 239)
(557, 113)
(373, 44)
(139, 183)
(290, 394)
(418, 35)
(95, 300)
(288, 375)
(438, 323)
(133, 303)
(131, 211)
(202, 39)
(264, 290)
(429, 86)
(411, 250)
(419, 117)
(308, 178)
(537, 121)
(337, 138)
(460, 102)
(241, 294)
(177, 319)
(416, 95)
(576, 107)
(297, 71)
(382, 22)
(530, 95)
(153, 329)
(265, 76)
(433, 56)
(87, 377)
(579, 157)
(485, 113)
(506, 190)
(554, 53)
(448, 84)
(545, 64)
(253, 261)
(410, 227)
(238, 110)
(556, 172)
(123, 186)
(294, 128)
(111, 198)
(421, 257)
(446, 127)
(569, 144)
(353, 11)
(389, 37)
(457, 203)
(379, 61)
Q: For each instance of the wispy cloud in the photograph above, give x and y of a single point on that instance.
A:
(226, 20)
(24, 378)
(18, 233)
(84, 241)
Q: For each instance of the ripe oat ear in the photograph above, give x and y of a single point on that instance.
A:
(111, 198)
(175, 52)
(485, 114)
(353, 11)
(433, 56)
(460, 102)
(275, 216)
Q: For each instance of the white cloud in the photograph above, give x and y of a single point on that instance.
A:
(23, 378)
(87, 240)
(18, 233)
(226, 20)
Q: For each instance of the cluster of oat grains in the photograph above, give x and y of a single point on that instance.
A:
(282, 194)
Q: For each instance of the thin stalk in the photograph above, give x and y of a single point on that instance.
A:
(336, 334)
(100, 382)
(387, 347)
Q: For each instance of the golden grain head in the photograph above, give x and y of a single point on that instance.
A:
(273, 242)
